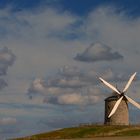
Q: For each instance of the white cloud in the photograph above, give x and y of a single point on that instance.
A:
(77, 99)
(117, 30)
(71, 86)
(37, 86)
(46, 39)
(40, 23)
(8, 121)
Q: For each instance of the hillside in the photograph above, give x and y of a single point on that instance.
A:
(87, 132)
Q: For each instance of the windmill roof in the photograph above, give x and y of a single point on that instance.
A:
(111, 98)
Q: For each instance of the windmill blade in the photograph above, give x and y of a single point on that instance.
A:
(132, 102)
(109, 85)
(129, 82)
(115, 107)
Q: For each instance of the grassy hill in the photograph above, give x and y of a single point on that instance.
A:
(87, 132)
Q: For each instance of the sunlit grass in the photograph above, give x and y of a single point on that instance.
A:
(87, 132)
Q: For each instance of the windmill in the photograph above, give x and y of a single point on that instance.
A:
(116, 108)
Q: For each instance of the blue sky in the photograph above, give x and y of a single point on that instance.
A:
(79, 7)
(51, 55)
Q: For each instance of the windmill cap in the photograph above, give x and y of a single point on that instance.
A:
(112, 98)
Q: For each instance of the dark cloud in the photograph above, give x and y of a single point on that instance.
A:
(3, 83)
(7, 58)
(98, 52)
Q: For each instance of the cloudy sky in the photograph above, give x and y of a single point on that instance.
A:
(51, 55)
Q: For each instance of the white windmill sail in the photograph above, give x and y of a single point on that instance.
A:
(129, 82)
(109, 85)
(121, 94)
(115, 107)
(132, 102)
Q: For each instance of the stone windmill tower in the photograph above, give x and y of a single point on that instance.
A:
(116, 107)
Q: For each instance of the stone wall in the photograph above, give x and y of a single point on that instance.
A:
(121, 116)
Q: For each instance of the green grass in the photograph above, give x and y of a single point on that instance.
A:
(132, 132)
(87, 132)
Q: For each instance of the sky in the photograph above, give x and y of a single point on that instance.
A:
(51, 55)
